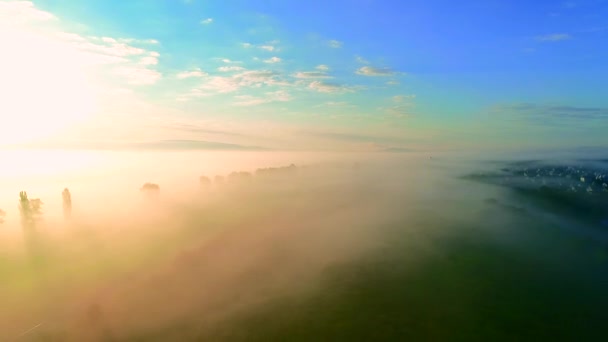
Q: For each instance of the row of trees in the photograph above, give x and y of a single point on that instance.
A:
(244, 176)
(31, 209)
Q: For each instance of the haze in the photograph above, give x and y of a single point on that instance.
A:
(188, 170)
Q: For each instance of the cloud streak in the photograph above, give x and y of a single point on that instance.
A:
(561, 115)
(311, 74)
(555, 37)
(330, 88)
(195, 73)
(371, 71)
(334, 44)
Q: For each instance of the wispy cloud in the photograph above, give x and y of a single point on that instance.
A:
(371, 71)
(269, 46)
(335, 44)
(272, 60)
(230, 68)
(229, 61)
(311, 74)
(207, 21)
(349, 136)
(139, 75)
(322, 67)
(195, 73)
(403, 98)
(228, 84)
(361, 60)
(555, 37)
(330, 88)
(552, 114)
(274, 96)
(22, 11)
(334, 104)
(127, 60)
(149, 60)
(400, 111)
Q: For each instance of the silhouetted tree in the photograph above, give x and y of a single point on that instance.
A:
(239, 177)
(204, 181)
(150, 189)
(276, 171)
(30, 209)
(67, 203)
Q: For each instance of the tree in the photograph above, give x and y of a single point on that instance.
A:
(150, 190)
(30, 209)
(67, 203)
(204, 181)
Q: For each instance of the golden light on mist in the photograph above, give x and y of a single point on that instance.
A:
(44, 86)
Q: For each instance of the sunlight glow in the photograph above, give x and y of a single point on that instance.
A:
(44, 86)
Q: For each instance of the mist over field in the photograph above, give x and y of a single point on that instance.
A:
(339, 247)
(271, 170)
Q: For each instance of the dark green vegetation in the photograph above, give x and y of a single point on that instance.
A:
(517, 279)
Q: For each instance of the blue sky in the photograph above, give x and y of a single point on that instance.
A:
(354, 75)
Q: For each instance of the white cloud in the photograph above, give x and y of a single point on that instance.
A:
(102, 56)
(334, 44)
(108, 40)
(322, 67)
(361, 60)
(337, 104)
(195, 73)
(139, 75)
(256, 78)
(311, 74)
(13, 12)
(274, 96)
(403, 98)
(399, 111)
(248, 100)
(267, 47)
(232, 83)
(371, 71)
(393, 82)
(207, 21)
(230, 68)
(272, 60)
(323, 87)
(270, 46)
(229, 61)
(222, 85)
(148, 60)
(555, 37)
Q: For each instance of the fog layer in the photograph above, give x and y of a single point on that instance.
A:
(382, 246)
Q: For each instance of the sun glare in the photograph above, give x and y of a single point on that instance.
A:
(44, 85)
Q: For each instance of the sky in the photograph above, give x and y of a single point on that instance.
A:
(304, 75)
